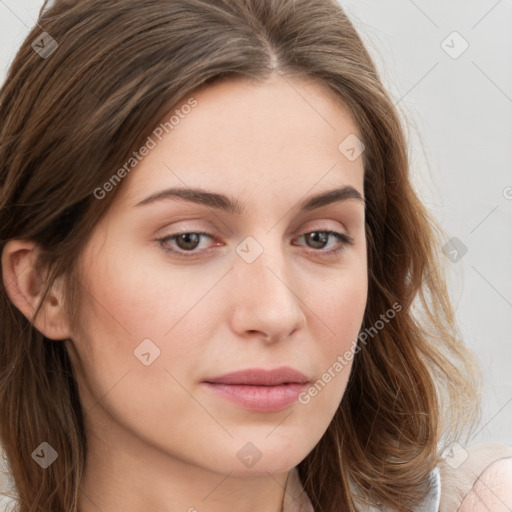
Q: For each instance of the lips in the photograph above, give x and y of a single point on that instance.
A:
(261, 377)
(259, 390)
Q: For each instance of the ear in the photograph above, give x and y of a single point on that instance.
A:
(25, 283)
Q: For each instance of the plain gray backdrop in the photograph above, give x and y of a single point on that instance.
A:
(448, 67)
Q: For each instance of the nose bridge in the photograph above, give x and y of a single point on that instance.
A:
(262, 295)
(263, 263)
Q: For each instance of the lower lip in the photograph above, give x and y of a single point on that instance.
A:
(259, 398)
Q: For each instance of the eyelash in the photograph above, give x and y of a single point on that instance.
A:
(343, 239)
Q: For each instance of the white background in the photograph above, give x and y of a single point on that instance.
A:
(459, 122)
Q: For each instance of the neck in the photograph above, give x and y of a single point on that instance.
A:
(124, 473)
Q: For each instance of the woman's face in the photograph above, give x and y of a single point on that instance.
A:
(263, 288)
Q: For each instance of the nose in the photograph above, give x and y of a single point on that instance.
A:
(265, 298)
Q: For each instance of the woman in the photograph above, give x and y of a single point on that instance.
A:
(220, 291)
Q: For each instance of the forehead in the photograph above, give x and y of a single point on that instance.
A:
(279, 134)
(287, 107)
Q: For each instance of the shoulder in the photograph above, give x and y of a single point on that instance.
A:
(477, 478)
(492, 489)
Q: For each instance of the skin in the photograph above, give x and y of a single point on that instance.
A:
(157, 438)
(492, 490)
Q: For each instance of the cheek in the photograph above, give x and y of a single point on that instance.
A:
(339, 309)
(145, 297)
(339, 304)
(343, 307)
(127, 301)
(139, 345)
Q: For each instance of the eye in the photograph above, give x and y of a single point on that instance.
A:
(185, 242)
(180, 244)
(318, 240)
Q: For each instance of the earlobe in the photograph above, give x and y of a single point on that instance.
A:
(24, 282)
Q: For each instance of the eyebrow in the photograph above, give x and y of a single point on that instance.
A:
(233, 206)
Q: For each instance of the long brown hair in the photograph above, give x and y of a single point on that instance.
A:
(71, 116)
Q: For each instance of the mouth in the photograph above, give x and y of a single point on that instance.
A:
(261, 377)
(258, 389)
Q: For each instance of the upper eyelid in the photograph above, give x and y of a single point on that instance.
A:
(338, 213)
(212, 235)
(194, 229)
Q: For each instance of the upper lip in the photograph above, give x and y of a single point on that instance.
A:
(261, 377)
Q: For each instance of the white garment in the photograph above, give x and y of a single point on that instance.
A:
(7, 504)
